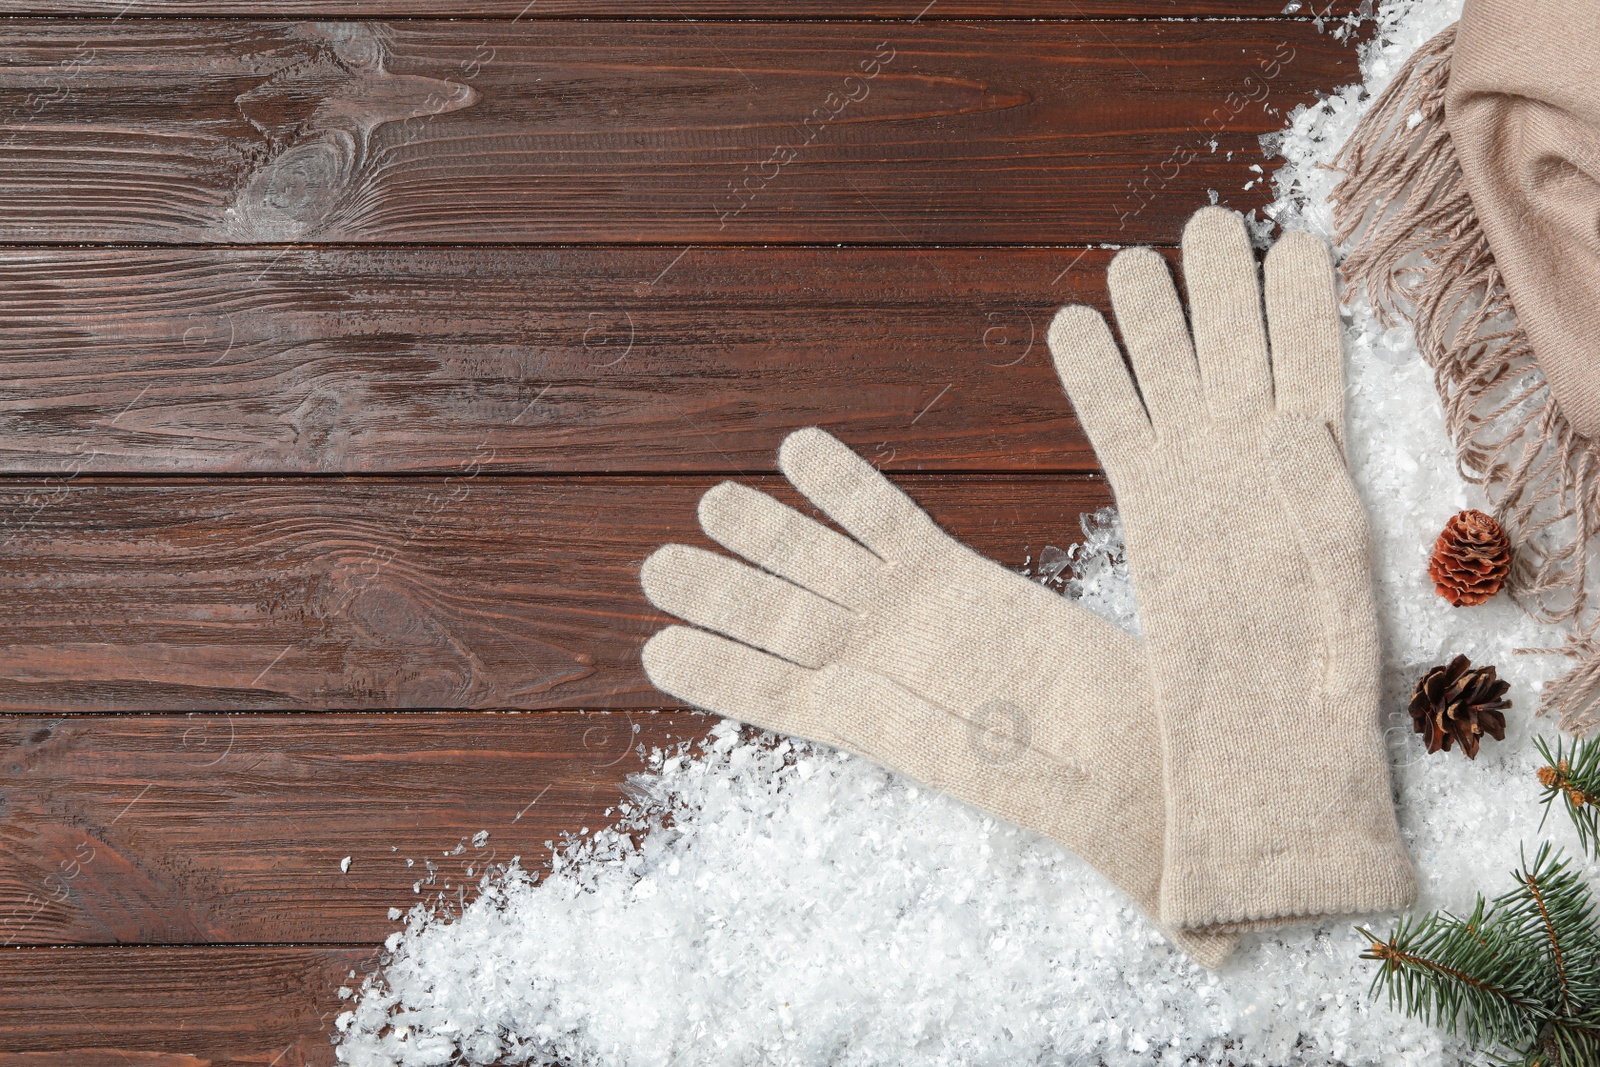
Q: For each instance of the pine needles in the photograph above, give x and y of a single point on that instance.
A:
(1575, 779)
(1520, 976)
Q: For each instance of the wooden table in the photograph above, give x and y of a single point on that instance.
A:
(353, 361)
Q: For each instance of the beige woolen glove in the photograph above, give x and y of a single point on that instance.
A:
(1248, 549)
(908, 648)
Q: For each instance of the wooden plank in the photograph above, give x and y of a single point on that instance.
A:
(542, 359)
(233, 828)
(156, 131)
(707, 10)
(249, 1006)
(463, 592)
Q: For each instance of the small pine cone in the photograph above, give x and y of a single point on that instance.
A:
(1457, 703)
(1471, 559)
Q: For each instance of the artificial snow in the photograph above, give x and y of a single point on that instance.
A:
(765, 901)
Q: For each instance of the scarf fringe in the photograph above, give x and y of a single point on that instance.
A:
(1422, 256)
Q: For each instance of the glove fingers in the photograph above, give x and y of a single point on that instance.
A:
(1157, 335)
(1303, 315)
(1097, 382)
(737, 682)
(985, 760)
(1230, 342)
(732, 598)
(978, 759)
(852, 493)
(779, 539)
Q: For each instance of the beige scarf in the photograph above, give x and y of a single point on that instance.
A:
(1472, 189)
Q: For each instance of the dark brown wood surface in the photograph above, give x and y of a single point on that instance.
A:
(767, 10)
(549, 359)
(167, 131)
(210, 1006)
(349, 369)
(474, 592)
(112, 821)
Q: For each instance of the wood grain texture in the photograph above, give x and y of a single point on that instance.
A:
(254, 1006)
(567, 372)
(232, 828)
(773, 10)
(165, 131)
(462, 592)
(574, 360)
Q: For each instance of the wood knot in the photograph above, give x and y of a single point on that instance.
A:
(319, 115)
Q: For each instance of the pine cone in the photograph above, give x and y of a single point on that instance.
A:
(1471, 559)
(1456, 703)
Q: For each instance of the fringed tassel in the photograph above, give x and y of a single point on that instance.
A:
(1422, 255)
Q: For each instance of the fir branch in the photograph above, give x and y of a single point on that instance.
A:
(1536, 892)
(1521, 974)
(1566, 1043)
(1574, 778)
(1458, 975)
(1553, 907)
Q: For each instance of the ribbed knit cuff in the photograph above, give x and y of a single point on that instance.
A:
(1313, 880)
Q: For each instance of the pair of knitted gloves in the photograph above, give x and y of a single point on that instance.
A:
(1255, 690)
